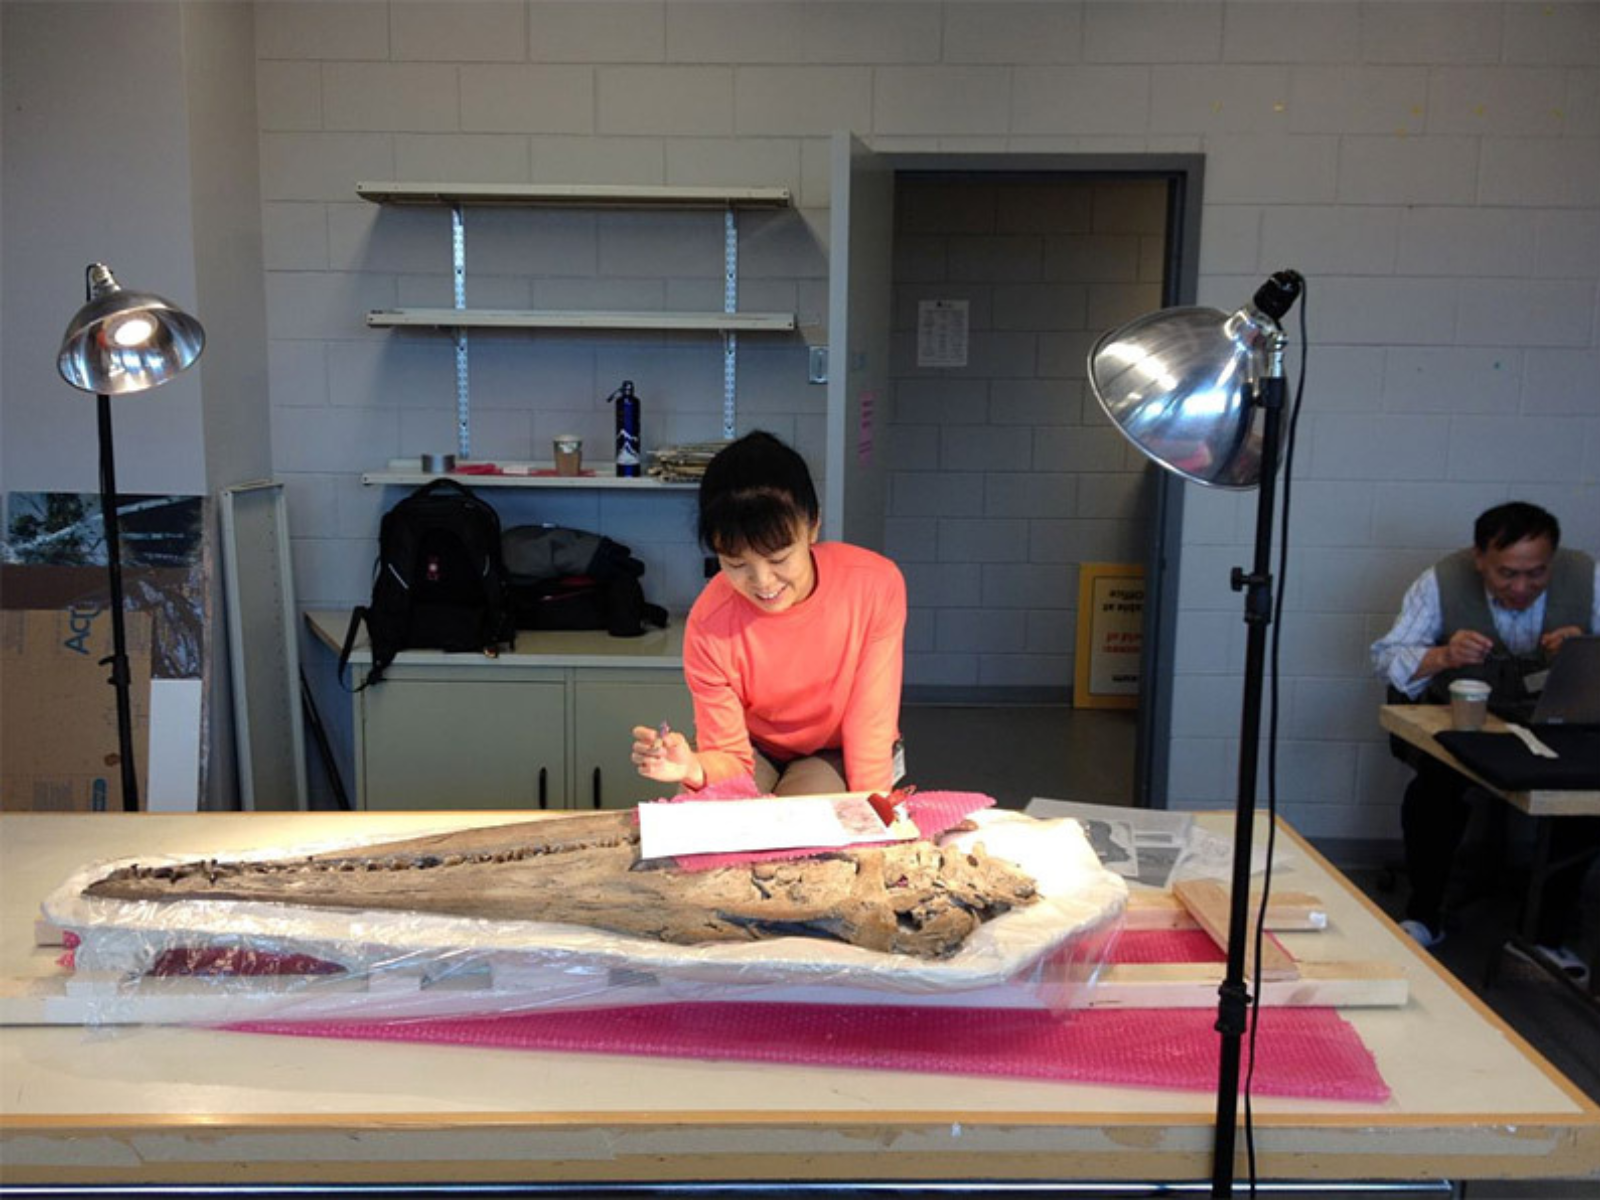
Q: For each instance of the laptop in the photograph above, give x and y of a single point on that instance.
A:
(1571, 693)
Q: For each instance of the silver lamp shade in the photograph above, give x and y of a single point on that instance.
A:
(1180, 382)
(121, 342)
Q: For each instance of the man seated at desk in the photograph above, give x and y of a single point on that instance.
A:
(1496, 611)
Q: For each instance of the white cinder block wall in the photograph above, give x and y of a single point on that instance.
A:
(1433, 168)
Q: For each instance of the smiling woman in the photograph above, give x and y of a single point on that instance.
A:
(794, 651)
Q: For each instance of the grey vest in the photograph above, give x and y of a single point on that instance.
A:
(1569, 600)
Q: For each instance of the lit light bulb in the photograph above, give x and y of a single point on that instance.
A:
(134, 331)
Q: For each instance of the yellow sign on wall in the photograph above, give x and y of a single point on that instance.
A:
(1110, 635)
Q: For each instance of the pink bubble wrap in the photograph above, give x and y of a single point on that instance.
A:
(1304, 1052)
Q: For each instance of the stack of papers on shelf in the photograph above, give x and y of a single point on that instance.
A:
(684, 462)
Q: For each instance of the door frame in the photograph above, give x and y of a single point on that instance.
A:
(1185, 178)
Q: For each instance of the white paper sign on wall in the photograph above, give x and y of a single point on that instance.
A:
(942, 333)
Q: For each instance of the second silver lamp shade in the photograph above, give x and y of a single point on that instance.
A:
(121, 342)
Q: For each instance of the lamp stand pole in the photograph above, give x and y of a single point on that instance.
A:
(1233, 1007)
(121, 676)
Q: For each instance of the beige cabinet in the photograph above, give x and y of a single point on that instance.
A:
(438, 738)
(544, 725)
(606, 706)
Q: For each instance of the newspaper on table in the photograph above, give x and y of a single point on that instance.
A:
(1149, 846)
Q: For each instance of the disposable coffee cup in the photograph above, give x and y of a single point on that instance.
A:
(569, 454)
(1469, 704)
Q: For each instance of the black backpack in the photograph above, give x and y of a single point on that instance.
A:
(571, 579)
(439, 583)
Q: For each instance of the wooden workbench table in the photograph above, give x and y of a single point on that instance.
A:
(189, 1105)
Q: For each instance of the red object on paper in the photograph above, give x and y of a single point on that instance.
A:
(497, 469)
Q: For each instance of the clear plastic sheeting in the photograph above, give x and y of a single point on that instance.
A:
(193, 961)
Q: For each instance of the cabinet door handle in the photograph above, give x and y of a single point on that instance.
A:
(597, 787)
(544, 787)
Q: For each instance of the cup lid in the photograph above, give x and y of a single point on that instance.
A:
(1470, 687)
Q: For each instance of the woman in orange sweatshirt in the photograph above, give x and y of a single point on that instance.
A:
(794, 651)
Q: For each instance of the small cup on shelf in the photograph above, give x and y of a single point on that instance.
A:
(569, 454)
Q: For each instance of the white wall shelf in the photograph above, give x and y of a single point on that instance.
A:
(405, 473)
(574, 195)
(487, 318)
(459, 318)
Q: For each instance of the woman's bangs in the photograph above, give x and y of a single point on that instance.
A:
(764, 520)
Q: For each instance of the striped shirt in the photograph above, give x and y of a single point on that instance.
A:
(1420, 627)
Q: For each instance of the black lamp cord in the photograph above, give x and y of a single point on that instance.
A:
(1272, 735)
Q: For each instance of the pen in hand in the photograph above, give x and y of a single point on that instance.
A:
(660, 748)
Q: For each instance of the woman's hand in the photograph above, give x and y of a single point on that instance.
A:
(666, 757)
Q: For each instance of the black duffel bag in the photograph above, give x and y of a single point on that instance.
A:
(572, 579)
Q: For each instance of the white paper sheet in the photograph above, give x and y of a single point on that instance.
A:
(724, 826)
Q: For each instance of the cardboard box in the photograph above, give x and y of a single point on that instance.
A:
(58, 713)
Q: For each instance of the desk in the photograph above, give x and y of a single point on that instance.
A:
(1416, 724)
(188, 1105)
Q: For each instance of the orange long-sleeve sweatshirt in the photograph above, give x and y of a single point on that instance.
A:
(822, 675)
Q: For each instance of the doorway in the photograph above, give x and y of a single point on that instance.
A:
(999, 476)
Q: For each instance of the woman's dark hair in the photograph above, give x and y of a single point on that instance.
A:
(754, 495)
(1507, 524)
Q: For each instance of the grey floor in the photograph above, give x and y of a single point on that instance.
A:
(1017, 752)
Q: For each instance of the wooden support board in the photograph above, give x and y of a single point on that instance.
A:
(112, 998)
(1287, 912)
(1207, 901)
(1194, 985)
(109, 998)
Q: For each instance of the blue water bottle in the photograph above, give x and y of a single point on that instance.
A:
(628, 455)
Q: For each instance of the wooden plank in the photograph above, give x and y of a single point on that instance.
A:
(1286, 911)
(1208, 902)
(109, 998)
(1194, 985)
(106, 998)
